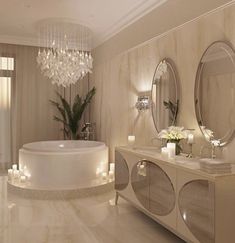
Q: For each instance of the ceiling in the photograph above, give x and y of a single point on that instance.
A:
(18, 18)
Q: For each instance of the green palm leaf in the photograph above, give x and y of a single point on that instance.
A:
(72, 114)
(66, 107)
(60, 120)
(87, 100)
(60, 109)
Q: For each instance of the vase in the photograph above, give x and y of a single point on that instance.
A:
(177, 145)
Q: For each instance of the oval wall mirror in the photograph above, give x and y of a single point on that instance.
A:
(215, 93)
(165, 95)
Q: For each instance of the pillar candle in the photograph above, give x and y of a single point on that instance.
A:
(131, 140)
(98, 172)
(111, 166)
(165, 152)
(23, 179)
(14, 166)
(171, 150)
(104, 175)
(190, 138)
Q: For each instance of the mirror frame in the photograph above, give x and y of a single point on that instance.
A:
(229, 136)
(171, 65)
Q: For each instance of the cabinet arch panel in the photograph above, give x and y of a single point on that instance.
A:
(121, 172)
(196, 204)
(153, 188)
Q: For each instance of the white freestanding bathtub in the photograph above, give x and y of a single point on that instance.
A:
(61, 165)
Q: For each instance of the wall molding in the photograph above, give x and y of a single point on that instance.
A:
(181, 26)
(139, 11)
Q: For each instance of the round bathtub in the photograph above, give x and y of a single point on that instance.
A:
(52, 165)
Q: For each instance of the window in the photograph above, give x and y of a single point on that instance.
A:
(6, 77)
(7, 63)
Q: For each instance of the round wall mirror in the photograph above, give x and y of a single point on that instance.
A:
(165, 95)
(215, 93)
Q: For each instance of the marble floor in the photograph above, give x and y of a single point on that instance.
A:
(87, 220)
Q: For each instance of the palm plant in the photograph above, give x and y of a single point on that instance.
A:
(173, 108)
(72, 114)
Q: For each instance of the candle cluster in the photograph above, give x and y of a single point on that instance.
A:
(169, 151)
(16, 175)
(101, 172)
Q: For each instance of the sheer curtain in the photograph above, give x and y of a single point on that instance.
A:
(6, 77)
(32, 114)
(5, 120)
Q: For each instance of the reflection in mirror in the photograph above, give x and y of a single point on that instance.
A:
(215, 93)
(165, 97)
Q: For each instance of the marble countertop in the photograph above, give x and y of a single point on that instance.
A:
(179, 161)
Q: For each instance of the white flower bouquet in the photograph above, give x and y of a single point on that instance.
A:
(174, 134)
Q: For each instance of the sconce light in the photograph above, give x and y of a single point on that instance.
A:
(143, 103)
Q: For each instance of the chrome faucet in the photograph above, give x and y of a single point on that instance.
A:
(88, 132)
(202, 149)
(213, 156)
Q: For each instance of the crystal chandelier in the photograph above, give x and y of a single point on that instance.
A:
(64, 54)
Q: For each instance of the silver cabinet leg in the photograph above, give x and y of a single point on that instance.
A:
(116, 198)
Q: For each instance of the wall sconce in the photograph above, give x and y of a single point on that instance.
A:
(143, 103)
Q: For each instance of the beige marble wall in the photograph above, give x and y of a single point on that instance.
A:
(121, 78)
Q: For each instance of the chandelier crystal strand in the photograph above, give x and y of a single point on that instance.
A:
(64, 55)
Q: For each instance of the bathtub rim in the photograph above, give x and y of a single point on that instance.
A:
(55, 151)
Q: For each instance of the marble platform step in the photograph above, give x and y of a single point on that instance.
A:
(61, 194)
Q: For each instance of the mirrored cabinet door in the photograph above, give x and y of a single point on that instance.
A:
(153, 188)
(140, 182)
(197, 208)
(161, 191)
(121, 172)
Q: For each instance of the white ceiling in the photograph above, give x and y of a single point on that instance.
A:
(105, 18)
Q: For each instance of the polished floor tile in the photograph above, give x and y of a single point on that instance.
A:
(87, 220)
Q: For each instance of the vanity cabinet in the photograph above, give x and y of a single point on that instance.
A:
(197, 206)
